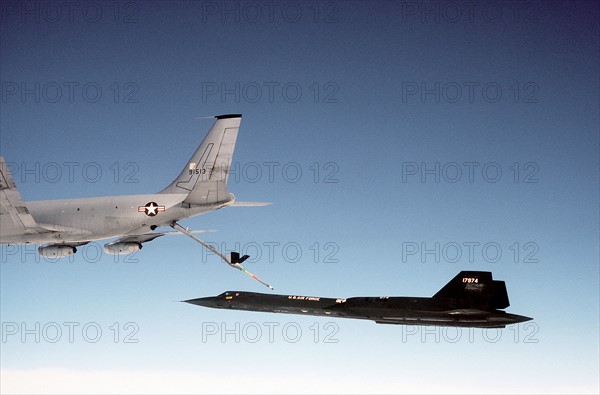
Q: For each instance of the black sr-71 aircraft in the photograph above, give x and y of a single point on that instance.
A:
(472, 299)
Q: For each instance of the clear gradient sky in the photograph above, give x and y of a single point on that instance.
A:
(400, 142)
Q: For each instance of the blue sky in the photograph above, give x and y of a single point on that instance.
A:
(399, 142)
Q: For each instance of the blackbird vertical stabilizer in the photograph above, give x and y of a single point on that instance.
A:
(471, 290)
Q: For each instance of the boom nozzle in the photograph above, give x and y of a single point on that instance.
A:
(234, 261)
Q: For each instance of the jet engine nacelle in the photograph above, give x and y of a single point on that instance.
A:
(56, 251)
(122, 248)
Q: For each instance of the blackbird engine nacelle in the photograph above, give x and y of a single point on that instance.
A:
(56, 251)
(122, 248)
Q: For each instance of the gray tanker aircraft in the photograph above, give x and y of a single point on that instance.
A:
(472, 299)
(60, 226)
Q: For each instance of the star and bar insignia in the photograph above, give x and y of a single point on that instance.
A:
(151, 209)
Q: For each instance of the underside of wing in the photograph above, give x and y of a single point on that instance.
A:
(15, 219)
(145, 237)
